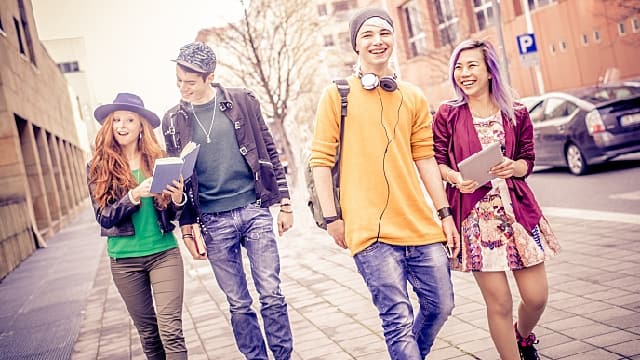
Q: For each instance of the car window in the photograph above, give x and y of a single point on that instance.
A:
(598, 94)
(536, 114)
(558, 108)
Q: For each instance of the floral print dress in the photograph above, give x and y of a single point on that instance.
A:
(492, 240)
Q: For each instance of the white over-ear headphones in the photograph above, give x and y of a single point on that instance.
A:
(370, 81)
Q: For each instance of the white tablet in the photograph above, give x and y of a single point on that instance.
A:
(476, 167)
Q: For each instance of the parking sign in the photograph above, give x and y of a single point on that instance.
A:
(526, 43)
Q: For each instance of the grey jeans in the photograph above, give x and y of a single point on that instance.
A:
(158, 278)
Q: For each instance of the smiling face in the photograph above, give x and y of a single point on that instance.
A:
(126, 127)
(471, 74)
(193, 88)
(374, 46)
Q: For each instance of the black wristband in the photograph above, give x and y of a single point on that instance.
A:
(328, 220)
(444, 212)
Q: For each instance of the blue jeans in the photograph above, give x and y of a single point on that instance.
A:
(386, 270)
(252, 227)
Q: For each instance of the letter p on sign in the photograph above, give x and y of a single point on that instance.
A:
(526, 44)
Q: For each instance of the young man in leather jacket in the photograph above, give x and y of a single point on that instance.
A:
(237, 177)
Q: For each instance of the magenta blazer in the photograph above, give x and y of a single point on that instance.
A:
(455, 138)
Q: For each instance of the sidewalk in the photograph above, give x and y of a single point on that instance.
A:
(61, 303)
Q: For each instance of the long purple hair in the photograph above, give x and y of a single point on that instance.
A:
(499, 90)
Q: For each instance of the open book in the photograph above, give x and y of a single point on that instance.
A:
(167, 169)
(476, 167)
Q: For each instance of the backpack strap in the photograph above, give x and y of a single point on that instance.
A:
(343, 89)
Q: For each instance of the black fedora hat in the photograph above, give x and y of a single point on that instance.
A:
(127, 102)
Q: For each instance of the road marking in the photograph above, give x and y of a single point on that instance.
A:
(592, 215)
(633, 195)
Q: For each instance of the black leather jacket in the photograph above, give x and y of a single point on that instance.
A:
(115, 218)
(254, 141)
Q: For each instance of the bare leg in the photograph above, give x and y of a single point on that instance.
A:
(497, 296)
(534, 290)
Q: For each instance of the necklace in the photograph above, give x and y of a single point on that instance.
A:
(479, 114)
(213, 118)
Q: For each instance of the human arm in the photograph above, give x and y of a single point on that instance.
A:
(324, 149)
(432, 180)
(324, 188)
(285, 215)
(522, 162)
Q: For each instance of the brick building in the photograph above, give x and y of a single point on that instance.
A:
(579, 42)
(42, 167)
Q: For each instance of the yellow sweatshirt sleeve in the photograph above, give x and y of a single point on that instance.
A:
(326, 135)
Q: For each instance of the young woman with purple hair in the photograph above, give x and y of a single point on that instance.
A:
(500, 223)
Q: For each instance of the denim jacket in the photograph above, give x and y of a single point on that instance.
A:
(115, 218)
(255, 143)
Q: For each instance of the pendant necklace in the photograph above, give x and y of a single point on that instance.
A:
(213, 118)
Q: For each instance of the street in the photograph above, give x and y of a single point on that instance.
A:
(613, 186)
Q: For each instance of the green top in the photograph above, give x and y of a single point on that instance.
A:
(148, 238)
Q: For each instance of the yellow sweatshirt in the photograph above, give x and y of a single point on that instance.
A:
(380, 192)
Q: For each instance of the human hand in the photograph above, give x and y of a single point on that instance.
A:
(465, 186)
(336, 231)
(505, 169)
(285, 221)
(193, 239)
(142, 190)
(175, 190)
(453, 237)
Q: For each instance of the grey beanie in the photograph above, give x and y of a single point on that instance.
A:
(363, 15)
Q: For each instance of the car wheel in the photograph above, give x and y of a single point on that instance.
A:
(575, 160)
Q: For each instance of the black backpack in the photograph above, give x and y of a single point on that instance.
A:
(313, 202)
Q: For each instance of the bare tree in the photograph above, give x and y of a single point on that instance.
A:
(272, 51)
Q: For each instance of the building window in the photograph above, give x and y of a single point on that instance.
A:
(69, 67)
(563, 46)
(483, 11)
(415, 34)
(635, 25)
(322, 10)
(447, 21)
(328, 40)
(534, 4)
(342, 5)
(24, 24)
(621, 29)
(341, 9)
(596, 36)
(585, 39)
(16, 23)
(345, 43)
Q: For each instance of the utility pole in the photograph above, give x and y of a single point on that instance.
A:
(538, 72)
(497, 19)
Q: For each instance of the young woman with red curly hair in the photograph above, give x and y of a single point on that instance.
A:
(146, 263)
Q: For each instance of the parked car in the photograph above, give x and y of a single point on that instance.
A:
(581, 127)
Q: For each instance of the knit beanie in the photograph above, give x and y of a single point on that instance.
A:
(363, 15)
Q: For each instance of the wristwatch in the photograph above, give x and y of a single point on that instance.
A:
(444, 212)
(329, 219)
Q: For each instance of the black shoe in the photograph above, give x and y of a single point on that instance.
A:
(528, 352)
(525, 345)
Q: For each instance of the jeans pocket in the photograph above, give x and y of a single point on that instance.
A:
(369, 250)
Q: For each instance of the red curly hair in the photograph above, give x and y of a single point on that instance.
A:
(109, 170)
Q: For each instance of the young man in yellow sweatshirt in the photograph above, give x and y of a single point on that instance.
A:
(386, 222)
